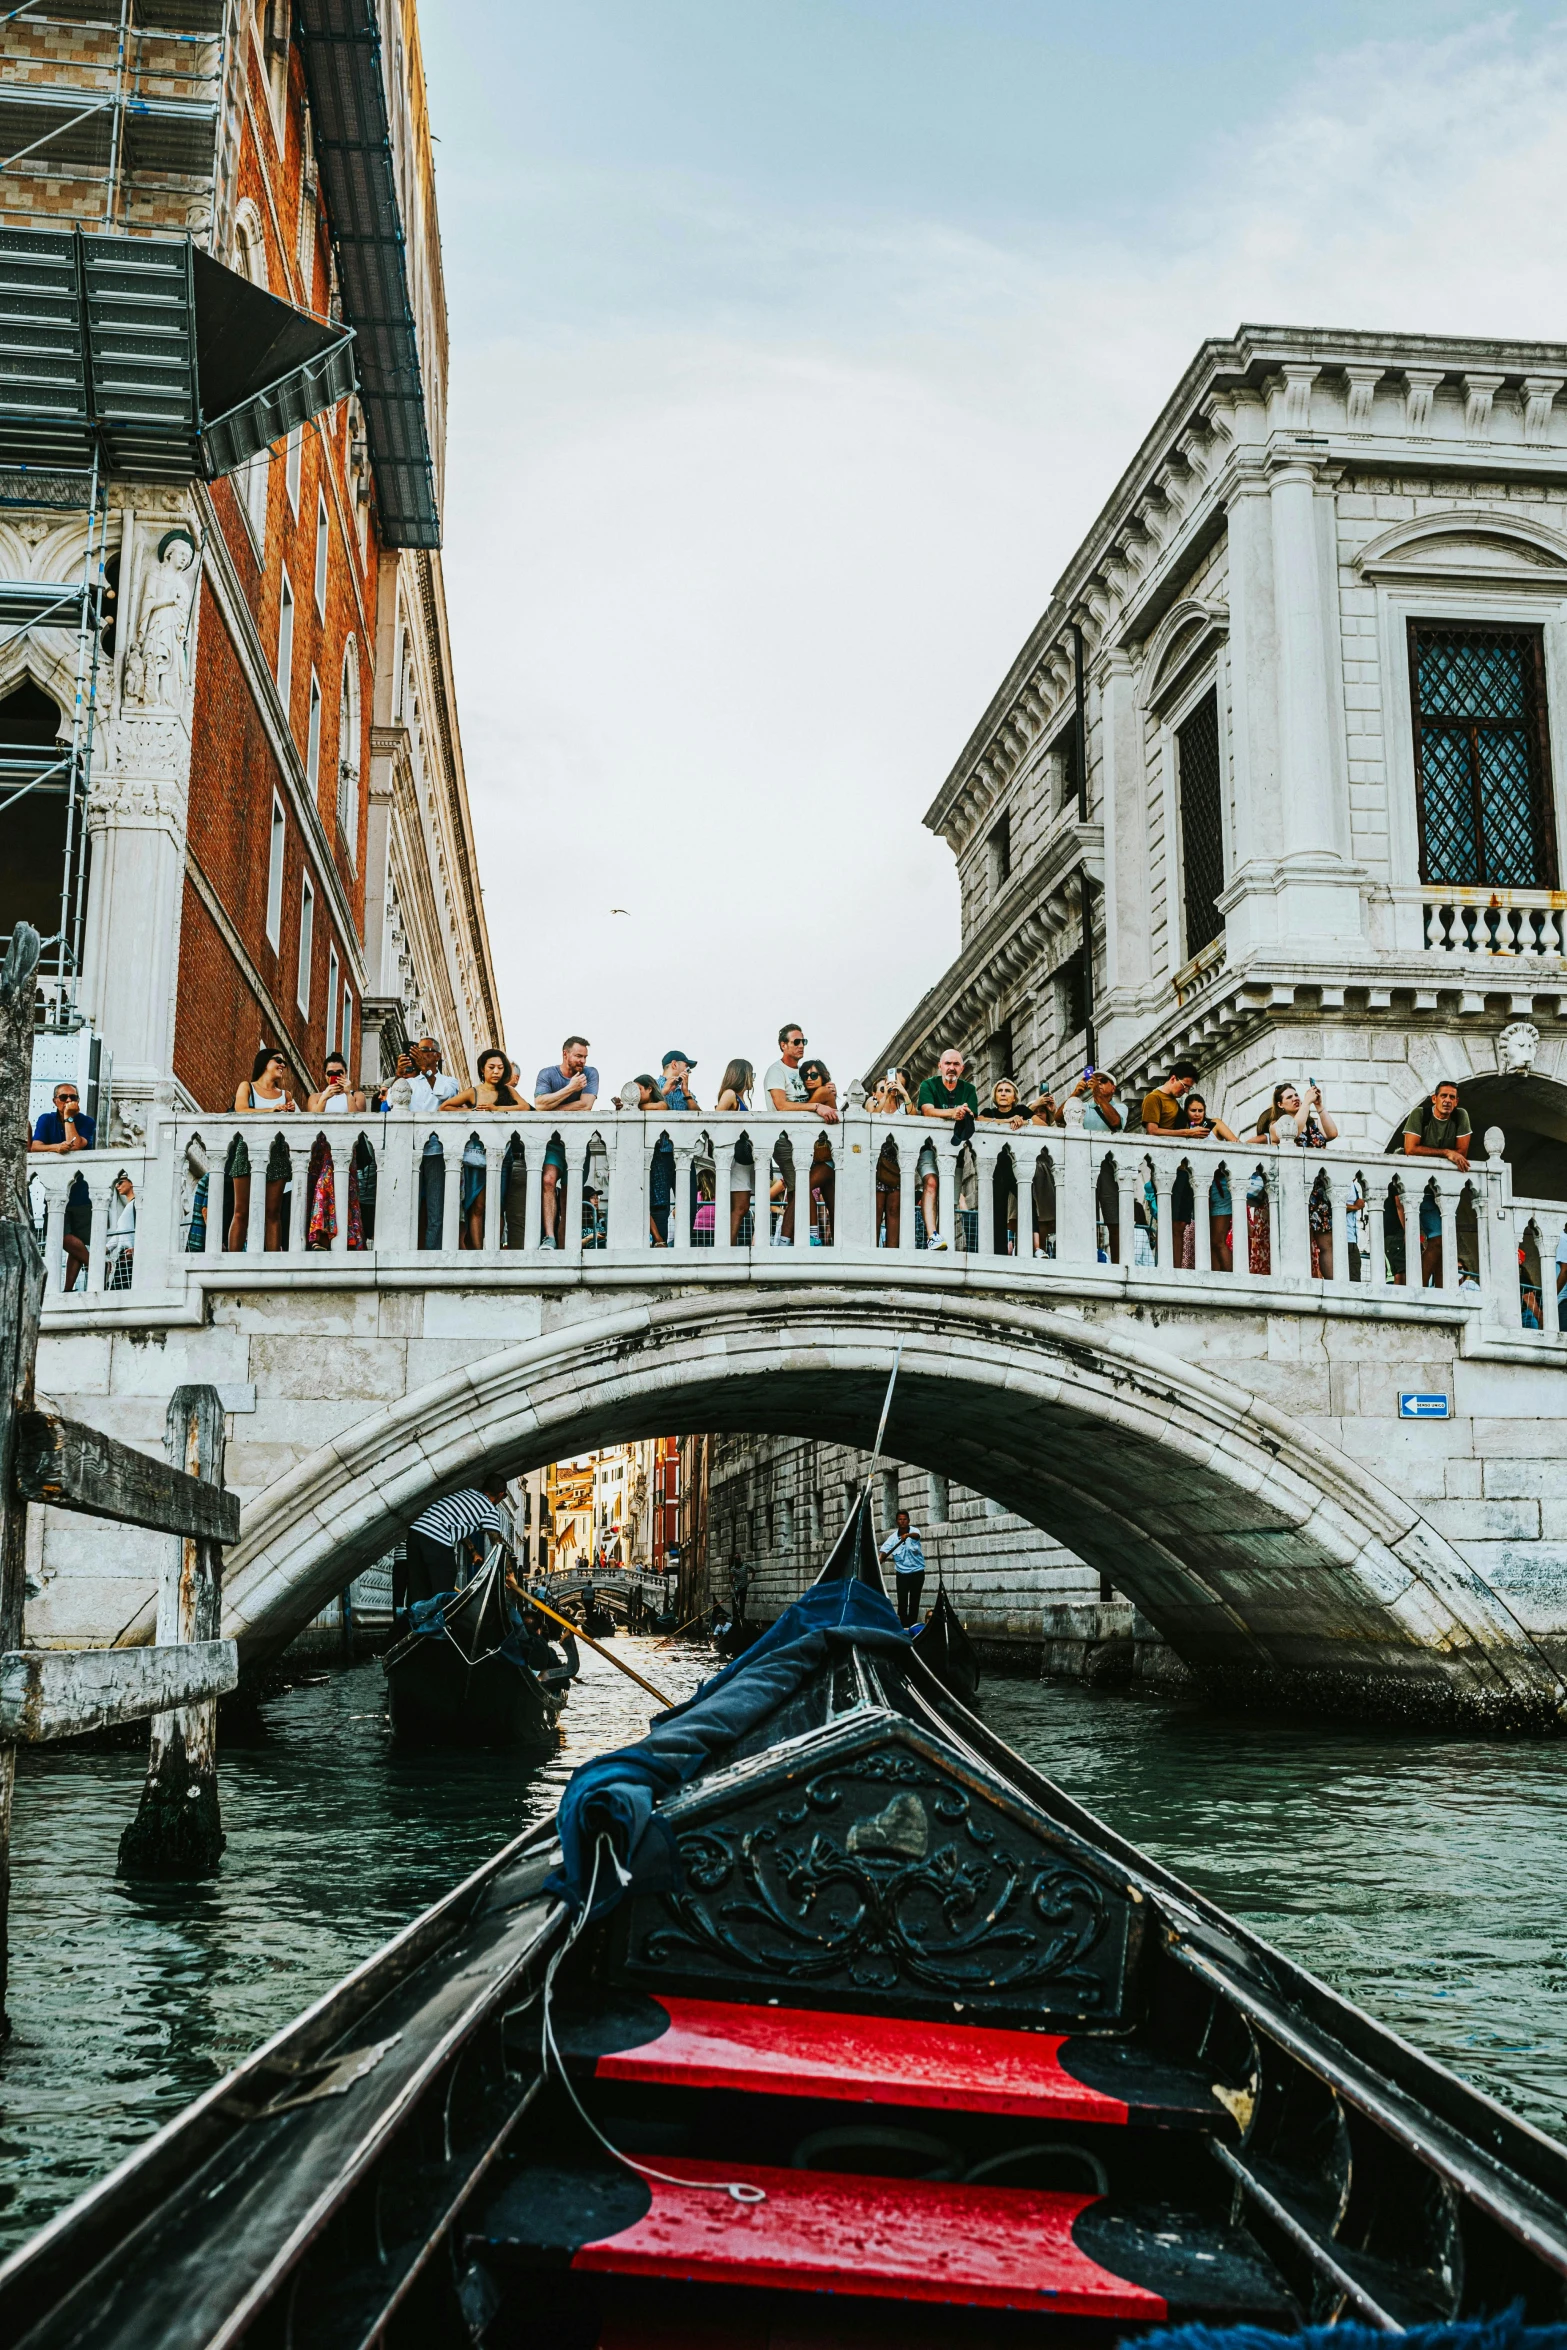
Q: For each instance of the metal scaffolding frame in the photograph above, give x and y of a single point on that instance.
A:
(79, 605)
(151, 110)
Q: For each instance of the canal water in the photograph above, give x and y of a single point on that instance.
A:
(1420, 1875)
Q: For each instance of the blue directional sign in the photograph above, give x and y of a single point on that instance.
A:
(1424, 1407)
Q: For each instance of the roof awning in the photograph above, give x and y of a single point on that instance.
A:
(352, 136)
(149, 353)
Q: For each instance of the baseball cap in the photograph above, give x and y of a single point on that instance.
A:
(677, 1055)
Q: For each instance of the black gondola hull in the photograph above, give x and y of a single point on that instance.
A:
(436, 1696)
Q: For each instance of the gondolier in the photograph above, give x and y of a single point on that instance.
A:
(433, 1563)
(904, 1548)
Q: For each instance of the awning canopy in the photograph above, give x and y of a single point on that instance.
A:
(351, 132)
(143, 349)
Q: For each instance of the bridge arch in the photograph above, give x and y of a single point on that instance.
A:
(1275, 1565)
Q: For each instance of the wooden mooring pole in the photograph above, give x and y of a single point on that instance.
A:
(178, 1830)
(21, 1303)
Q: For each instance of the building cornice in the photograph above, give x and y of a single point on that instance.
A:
(1040, 903)
(1169, 504)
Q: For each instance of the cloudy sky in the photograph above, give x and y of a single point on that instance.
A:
(795, 343)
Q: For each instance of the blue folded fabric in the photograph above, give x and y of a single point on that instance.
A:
(616, 1794)
(1504, 2331)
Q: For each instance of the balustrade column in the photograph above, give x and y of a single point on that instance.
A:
(494, 1201)
(1202, 1212)
(259, 1146)
(1518, 1225)
(626, 1142)
(1077, 1205)
(858, 1141)
(1339, 1185)
(1163, 1234)
(54, 1238)
(1449, 1191)
(680, 1204)
(1129, 1190)
(214, 1236)
(299, 1156)
(571, 1200)
(533, 1193)
(451, 1190)
(909, 1139)
(342, 1165)
(99, 1195)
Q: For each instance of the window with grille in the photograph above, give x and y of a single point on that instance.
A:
(1202, 824)
(1482, 757)
(1071, 985)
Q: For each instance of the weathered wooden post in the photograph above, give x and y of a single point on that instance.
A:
(177, 1831)
(21, 1301)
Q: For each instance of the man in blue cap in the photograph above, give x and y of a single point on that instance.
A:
(675, 1090)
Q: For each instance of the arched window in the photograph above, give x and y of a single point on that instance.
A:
(348, 753)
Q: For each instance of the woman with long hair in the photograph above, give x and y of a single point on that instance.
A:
(735, 1088)
(821, 1092)
(265, 1094)
(492, 1089)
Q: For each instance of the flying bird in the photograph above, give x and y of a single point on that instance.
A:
(620, 909)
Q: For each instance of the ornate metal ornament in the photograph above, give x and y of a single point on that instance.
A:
(884, 1876)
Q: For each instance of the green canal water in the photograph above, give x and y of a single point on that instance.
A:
(1421, 1876)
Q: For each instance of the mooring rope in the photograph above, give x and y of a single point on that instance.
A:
(739, 2190)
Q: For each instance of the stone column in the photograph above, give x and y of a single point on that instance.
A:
(1319, 897)
(1125, 808)
(137, 807)
(1248, 900)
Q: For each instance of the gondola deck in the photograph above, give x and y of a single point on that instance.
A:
(958, 2048)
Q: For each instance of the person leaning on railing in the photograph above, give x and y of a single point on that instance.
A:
(491, 1089)
(889, 1099)
(734, 1093)
(264, 1094)
(1196, 1122)
(60, 1132)
(1281, 1124)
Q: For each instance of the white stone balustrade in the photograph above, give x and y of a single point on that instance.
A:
(1033, 1205)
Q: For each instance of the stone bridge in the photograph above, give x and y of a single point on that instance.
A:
(1227, 1446)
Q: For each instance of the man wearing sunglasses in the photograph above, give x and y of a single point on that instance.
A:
(785, 1088)
(60, 1131)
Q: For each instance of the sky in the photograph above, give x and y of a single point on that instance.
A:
(794, 346)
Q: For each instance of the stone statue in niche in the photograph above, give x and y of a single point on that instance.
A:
(155, 664)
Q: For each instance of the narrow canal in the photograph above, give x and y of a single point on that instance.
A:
(1421, 1876)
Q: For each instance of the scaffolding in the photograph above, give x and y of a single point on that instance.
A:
(64, 769)
(109, 112)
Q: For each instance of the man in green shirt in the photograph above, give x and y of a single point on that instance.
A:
(949, 1097)
(1438, 1129)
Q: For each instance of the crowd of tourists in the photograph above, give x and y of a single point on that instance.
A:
(946, 1108)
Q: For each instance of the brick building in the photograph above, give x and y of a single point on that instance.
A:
(244, 817)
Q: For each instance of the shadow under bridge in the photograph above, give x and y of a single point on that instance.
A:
(1274, 1564)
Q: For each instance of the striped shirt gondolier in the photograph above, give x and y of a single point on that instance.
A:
(450, 1521)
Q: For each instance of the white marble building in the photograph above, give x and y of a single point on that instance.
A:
(1315, 651)
(1293, 868)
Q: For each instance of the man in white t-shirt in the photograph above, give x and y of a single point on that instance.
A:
(429, 1086)
(785, 1090)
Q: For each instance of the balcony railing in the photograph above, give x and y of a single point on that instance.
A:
(1509, 925)
(460, 1202)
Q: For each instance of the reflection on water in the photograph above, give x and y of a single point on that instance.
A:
(126, 2001)
(1420, 1875)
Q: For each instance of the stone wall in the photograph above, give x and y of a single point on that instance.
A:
(1027, 1603)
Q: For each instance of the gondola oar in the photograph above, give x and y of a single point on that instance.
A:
(581, 1633)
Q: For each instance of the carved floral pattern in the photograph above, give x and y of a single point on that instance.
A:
(927, 1895)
